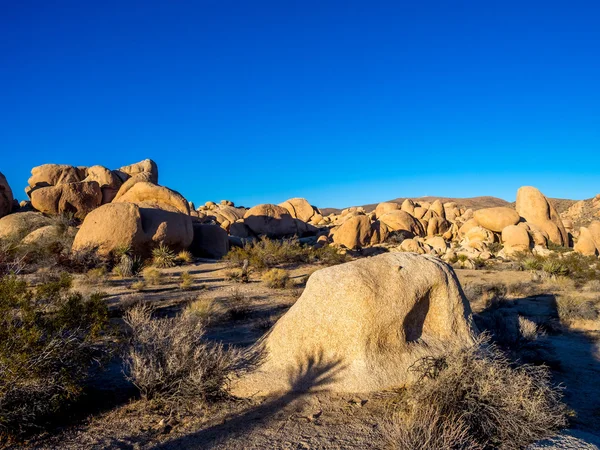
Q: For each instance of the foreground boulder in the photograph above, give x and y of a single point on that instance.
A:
(496, 219)
(535, 208)
(117, 225)
(359, 327)
(6, 197)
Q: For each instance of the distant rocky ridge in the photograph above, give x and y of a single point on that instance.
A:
(126, 207)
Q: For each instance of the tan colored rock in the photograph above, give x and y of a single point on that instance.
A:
(409, 206)
(109, 182)
(585, 244)
(70, 198)
(16, 226)
(419, 212)
(299, 208)
(438, 243)
(438, 207)
(467, 226)
(535, 208)
(270, 220)
(146, 166)
(437, 226)
(128, 225)
(356, 232)
(49, 235)
(210, 241)
(131, 181)
(398, 220)
(594, 229)
(385, 207)
(156, 196)
(496, 219)
(515, 239)
(54, 175)
(480, 234)
(361, 325)
(413, 246)
(6, 197)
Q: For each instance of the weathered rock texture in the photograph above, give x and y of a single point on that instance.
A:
(359, 326)
(6, 197)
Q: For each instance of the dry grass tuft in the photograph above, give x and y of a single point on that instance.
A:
(277, 279)
(184, 257)
(475, 398)
(152, 276)
(185, 281)
(592, 286)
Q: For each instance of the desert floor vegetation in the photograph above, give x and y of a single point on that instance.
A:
(168, 353)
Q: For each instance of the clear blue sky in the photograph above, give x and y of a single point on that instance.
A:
(342, 102)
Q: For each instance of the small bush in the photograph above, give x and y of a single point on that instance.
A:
(555, 267)
(277, 279)
(152, 276)
(576, 308)
(163, 257)
(138, 285)
(128, 266)
(475, 398)
(203, 308)
(185, 281)
(95, 276)
(184, 257)
(462, 258)
(532, 263)
(495, 247)
(49, 341)
(592, 286)
(170, 359)
(239, 305)
(528, 329)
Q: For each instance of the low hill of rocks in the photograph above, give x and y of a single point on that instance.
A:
(473, 203)
(126, 207)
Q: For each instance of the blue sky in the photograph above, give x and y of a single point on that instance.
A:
(341, 102)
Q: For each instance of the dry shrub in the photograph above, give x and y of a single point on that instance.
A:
(528, 329)
(95, 276)
(572, 308)
(185, 281)
(184, 257)
(475, 398)
(521, 289)
(239, 305)
(204, 308)
(277, 279)
(592, 286)
(171, 360)
(138, 285)
(152, 276)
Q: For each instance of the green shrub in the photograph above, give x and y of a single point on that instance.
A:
(555, 267)
(184, 257)
(49, 341)
(269, 253)
(163, 257)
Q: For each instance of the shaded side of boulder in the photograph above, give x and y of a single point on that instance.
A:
(361, 325)
(210, 241)
(54, 175)
(6, 197)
